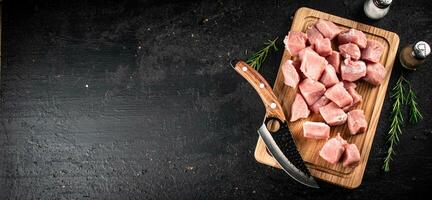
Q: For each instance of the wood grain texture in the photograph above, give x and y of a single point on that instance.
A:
(373, 98)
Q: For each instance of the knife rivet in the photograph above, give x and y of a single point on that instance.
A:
(244, 69)
(273, 105)
(261, 85)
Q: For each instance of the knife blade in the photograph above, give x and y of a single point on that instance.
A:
(279, 142)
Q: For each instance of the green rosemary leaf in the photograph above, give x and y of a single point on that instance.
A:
(415, 115)
(396, 120)
(401, 96)
(256, 59)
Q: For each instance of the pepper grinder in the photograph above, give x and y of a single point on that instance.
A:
(376, 9)
(414, 55)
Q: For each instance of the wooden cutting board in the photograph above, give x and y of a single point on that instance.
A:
(373, 98)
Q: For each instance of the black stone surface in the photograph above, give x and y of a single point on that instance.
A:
(163, 116)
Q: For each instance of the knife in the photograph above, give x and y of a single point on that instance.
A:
(274, 131)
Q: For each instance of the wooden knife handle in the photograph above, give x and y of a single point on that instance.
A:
(272, 105)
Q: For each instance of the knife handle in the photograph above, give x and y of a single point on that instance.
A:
(272, 105)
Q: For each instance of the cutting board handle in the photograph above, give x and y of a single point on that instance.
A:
(271, 103)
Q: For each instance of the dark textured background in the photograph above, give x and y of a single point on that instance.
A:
(163, 116)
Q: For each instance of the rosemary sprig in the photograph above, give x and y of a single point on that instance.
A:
(401, 96)
(256, 60)
(397, 121)
(415, 115)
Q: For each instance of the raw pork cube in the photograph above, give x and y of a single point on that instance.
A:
(297, 64)
(307, 49)
(375, 73)
(333, 149)
(357, 98)
(355, 95)
(356, 121)
(312, 65)
(354, 36)
(291, 77)
(323, 47)
(295, 42)
(311, 90)
(349, 108)
(338, 94)
(327, 28)
(299, 108)
(348, 84)
(316, 130)
(373, 51)
(350, 50)
(351, 156)
(319, 103)
(313, 34)
(334, 60)
(329, 77)
(333, 115)
(353, 70)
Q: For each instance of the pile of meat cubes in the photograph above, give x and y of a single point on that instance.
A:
(326, 83)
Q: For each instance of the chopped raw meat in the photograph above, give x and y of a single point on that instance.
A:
(329, 77)
(333, 115)
(375, 73)
(307, 49)
(316, 130)
(353, 70)
(339, 95)
(353, 36)
(351, 156)
(350, 50)
(355, 95)
(328, 29)
(349, 108)
(295, 42)
(299, 108)
(323, 47)
(373, 51)
(334, 60)
(348, 84)
(357, 98)
(319, 103)
(313, 34)
(333, 149)
(311, 90)
(291, 77)
(312, 65)
(356, 121)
